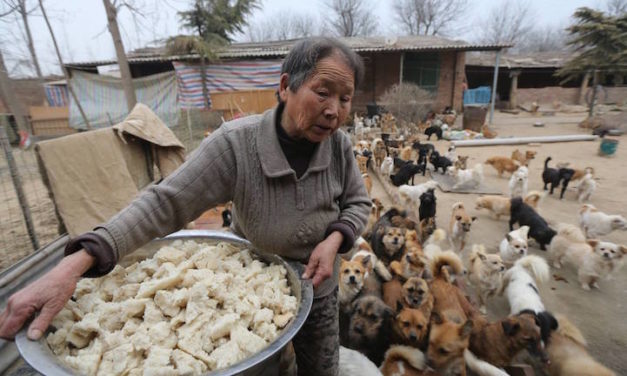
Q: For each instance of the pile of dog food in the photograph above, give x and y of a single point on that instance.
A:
(413, 295)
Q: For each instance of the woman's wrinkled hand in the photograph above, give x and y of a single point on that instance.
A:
(322, 259)
(45, 296)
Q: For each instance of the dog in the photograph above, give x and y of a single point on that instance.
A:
(362, 163)
(351, 280)
(367, 182)
(388, 240)
(518, 182)
(410, 327)
(468, 178)
(427, 205)
(595, 223)
(525, 215)
(586, 188)
(555, 176)
(567, 351)
(375, 214)
(451, 154)
(406, 153)
(592, 258)
(378, 150)
(426, 227)
(433, 130)
(410, 194)
(581, 173)
(449, 300)
(387, 166)
(412, 239)
(502, 206)
(416, 294)
(524, 160)
(227, 215)
(370, 327)
(514, 246)
(436, 243)
(403, 360)
(459, 226)
(412, 264)
(486, 273)
(355, 363)
(405, 173)
(439, 162)
(461, 162)
(503, 164)
(448, 341)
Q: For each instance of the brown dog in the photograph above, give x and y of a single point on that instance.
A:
(362, 163)
(411, 239)
(393, 243)
(410, 327)
(448, 341)
(459, 226)
(403, 360)
(501, 206)
(406, 153)
(461, 163)
(367, 182)
(524, 160)
(416, 294)
(375, 213)
(413, 264)
(426, 228)
(503, 164)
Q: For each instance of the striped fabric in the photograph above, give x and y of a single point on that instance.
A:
(103, 101)
(56, 95)
(224, 77)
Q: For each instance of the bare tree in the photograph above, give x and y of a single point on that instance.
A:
(282, 26)
(616, 7)
(508, 22)
(125, 71)
(8, 96)
(21, 8)
(428, 17)
(352, 17)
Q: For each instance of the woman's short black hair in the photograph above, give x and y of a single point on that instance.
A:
(301, 61)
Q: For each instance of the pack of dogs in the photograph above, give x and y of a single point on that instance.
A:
(413, 295)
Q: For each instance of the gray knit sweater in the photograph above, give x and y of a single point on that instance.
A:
(243, 162)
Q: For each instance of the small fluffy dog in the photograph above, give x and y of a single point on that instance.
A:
(519, 284)
(514, 246)
(355, 363)
(469, 178)
(427, 205)
(410, 327)
(439, 162)
(586, 187)
(486, 273)
(362, 163)
(451, 153)
(518, 183)
(367, 182)
(375, 214)
(459, 226)
(461, 162)
(594, 259)
(370, 327)
(567, 351)
(411, 193)
(413, 264)
(525, 215)
(352, 274)
(503, 164)
(595, 223)
(388, 240)
(387, 167)
(524, 159)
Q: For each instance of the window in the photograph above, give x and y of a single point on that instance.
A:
(422, 69)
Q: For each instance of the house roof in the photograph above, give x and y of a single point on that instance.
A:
(553, 59)
(281, 48)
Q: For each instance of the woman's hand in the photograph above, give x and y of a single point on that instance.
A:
(322, 259)
(47, 295)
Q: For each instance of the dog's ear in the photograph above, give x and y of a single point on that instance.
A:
(482, 256)
(593, 242)
(381, 231)
(436, 318)
(623, 249)
(458, 217)
(365, 261)
(466, 329)
(473, 218)
(510, 329)
(508, 237)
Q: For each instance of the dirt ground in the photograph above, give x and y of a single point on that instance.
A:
(599, 314)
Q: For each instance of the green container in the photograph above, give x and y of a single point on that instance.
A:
(608, 146)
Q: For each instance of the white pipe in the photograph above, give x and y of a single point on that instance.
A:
(524, 140)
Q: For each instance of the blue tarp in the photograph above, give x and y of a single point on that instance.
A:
(480, 95)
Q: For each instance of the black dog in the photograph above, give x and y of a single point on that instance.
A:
(406, 172)
(226, 218)
(433, 130)
(524, 215)
(420, 146)
(439, 161)
(554, 176)
(427, 205)
(545, 320)
(423, 154)
(398, 163)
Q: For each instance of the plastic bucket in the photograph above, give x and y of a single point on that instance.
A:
(608, 146)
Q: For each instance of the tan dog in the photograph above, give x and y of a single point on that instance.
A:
(352, 274)
(579, 173)
(393, 243)
(524, 160)
(413, 264)
(449, 300)
(416, 294)
(460, 226)
(411, 239)
(448, 341)
(394, 152)
(410, 327)
(461, 163)
(426, 227)
(378, 151)
(367, 182)
(503, 164)
(568, 354)
(375, 213)
(406, 153)
(362, 163)
(486, 273)
(501, 206)
(403, 360)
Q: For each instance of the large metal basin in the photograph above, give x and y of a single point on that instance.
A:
(266, 362)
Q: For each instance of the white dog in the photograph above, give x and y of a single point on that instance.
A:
(519, 284)
(469, 178)
(387, 166)
(585, 188)
(514, 246)
(518, 182)
(355, 363)
(451, 154)
(595, 223)
(411, 193)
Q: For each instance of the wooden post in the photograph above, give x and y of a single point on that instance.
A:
(17, 184)
(513, 90)
(583, 88)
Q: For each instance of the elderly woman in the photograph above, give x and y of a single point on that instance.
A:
(296, 189)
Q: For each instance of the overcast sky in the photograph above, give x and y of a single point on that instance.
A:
(80, 25)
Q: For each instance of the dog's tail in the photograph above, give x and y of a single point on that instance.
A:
(481, 367)
(477, 249)
(533, 198)
(446, 258)
(571, 232)
(546, 162)
(489, 161)
(438, 236)
(569, 330)
(414, 357)
(536, 266)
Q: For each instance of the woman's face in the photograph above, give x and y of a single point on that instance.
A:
(318, 108)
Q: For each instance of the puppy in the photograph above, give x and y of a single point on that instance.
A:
(586, 187)
(518, 182)
(405, 173)
(433, 130)
(503, 164)
(567, 351)
(461, 162)
(410, 327)
(427, 205)
(593, 258)
(362, 163)
(375, 214)
(524, 215)
(439, 162)
(514, 246)
(486, 273)
(370, 327)
(469, 178)
(413, 264)
(524, 159)
(351, 281)
(459, 226)
(595, 223)
(426, 227)
(387, 166)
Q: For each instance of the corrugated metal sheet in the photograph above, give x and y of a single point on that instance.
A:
(553, 59)
(281, 48)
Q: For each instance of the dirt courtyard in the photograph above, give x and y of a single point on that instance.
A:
(599, 314)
